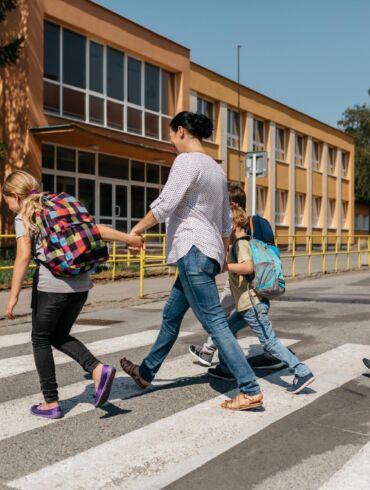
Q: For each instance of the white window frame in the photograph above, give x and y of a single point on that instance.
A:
(316, 164)
(316, 206)
(280, 153)
(202, 100)
(331, 212)
(259, 146)
(76, 175)
(300, 204)
(233, 139)
(87, 92)
(299, 158)
(331, 160)
(281, 201)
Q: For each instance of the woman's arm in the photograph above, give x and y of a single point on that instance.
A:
(110, 234)
(21, 264)
(147, 222)
(243, 268)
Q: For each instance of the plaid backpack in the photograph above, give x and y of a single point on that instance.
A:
(69, 237)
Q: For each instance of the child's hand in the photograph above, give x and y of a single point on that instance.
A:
(12, 301)
(225, 267)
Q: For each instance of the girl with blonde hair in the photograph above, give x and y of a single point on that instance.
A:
(56, 301)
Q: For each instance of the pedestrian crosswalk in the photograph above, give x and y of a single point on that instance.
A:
(170, 446)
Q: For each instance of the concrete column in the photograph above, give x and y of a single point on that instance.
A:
(193, 105)
(309, 185)
(221, 137)
(272, 173)
(291, 153)
(338, 165)
(249, 142)
(325, 190)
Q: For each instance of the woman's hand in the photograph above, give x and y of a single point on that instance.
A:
(12, 301)
(135, 241)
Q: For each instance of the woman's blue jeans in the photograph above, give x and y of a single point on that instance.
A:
(196, 288)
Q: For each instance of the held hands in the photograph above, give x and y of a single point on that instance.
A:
(136, 242)
(12, 301)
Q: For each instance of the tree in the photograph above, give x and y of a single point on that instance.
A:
(9, 53)
(356, 122)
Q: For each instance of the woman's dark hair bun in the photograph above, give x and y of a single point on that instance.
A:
(198, 125)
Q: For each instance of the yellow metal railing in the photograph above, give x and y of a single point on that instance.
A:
(297, 247)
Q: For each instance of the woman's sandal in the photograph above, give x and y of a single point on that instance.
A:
(242, 401)
(133, 370)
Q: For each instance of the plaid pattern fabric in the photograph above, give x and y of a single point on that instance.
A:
(69, 236)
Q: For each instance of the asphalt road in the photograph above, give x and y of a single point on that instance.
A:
(175, 435)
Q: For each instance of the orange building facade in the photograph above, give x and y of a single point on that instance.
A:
(87, 107)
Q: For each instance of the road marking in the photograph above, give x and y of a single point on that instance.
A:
(354, 475)
(22, 364)
(164, 451)
(9, 340)
(77, 398)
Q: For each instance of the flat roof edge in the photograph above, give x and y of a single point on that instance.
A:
(333, 128)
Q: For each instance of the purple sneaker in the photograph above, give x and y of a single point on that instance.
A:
(105, 384)
(50, 413)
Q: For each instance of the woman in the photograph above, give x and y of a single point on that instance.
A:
(57, 301)
(195, 202)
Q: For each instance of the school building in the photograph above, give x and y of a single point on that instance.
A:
(87, 110)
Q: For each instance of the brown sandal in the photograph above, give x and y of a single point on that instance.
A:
(133, 370)
(242, 401)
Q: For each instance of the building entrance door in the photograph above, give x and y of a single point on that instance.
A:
(113, 209)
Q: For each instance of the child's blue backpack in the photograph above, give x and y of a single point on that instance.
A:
(268, 280)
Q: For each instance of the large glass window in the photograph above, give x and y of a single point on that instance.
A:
(299, 151)
(114, 74)
(233, 128)
(259, 137)
(74, 59)
(66, 159)
(51, 51)
(316, 208)
(207, 108)
(344, 214)
(331, 213)
(151, 87)
(113, 167)
(137, 201)
(281, 199)
(138, 171)
(96, 67)
(48, 183)
(86, 194)
(331, 160)
(316, 155)
(344, 165)
(280, 144)
(300, 204)
(134, 81)
(89, 85)
(48, 156)
(66, 184)
(86, 162)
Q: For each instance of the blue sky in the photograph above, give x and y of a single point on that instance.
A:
(313, 55)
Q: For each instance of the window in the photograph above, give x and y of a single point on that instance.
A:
(300, 204)
(86, 194)
(86, 162)
(233, 128)
(344, 214)
(138, 171)
(281, 199)
(261, 200)
(115, 74)
(362, 223)
(90, 85)
(331, 160)
(344, 165)
(113, 167)
(48, 156)
(299, 151)
(66, 159)
(207, 108)
(280, 144)
(316, 155)
(331, 213)
(258, 135)
(316, 210)
(74, 60)
(51, 51)
(96, 67)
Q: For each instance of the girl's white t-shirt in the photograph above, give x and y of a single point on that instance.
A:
(47, 281)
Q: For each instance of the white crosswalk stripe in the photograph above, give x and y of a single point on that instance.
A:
(77, 397)
(156, 461)
(25, 337)
(23, 364)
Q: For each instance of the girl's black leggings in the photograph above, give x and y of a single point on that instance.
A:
(53, 316)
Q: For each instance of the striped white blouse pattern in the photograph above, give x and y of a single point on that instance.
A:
(195, 205)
